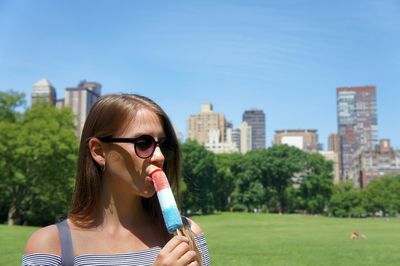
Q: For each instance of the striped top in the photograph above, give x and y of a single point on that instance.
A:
(145, 257)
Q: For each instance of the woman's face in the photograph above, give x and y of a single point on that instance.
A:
(127, 171)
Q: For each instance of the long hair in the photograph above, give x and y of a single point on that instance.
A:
(108, 115)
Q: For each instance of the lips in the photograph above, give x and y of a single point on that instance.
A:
(149, 170)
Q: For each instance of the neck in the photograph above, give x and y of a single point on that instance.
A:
(122, 209)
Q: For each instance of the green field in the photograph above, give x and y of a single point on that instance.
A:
(271, 239)
(12, 243)
(265, 239)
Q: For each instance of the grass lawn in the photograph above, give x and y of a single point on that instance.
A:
(12, 243)
(271, 239)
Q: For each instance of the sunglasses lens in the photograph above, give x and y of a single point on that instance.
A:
(145, 146)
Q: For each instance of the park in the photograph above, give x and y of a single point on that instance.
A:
(251, 209)
(293, 157)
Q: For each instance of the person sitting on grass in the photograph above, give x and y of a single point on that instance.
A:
(357, 235)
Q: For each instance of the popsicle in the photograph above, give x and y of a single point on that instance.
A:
(171, 215)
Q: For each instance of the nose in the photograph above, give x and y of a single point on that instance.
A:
(158, 156)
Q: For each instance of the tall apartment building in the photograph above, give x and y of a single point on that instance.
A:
(357, 124)
(304, 139)
(333, 154)
(256, 120)
(81, 99)
(245, 137)
(371, 164)
(207, 120)
(43, 92)
(333, 142)
(235, 136)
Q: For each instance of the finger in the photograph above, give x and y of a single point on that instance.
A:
(188, 257)
(174, 242)
(180, 250)
(193, 263)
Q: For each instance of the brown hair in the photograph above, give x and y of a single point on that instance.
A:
(108, 115)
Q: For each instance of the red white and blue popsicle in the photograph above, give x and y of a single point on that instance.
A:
(172, 217)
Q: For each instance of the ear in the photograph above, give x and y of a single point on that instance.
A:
(97, 151)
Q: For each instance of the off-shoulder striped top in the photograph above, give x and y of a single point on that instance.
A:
(145, 257)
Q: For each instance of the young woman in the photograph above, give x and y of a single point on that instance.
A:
(115, 218)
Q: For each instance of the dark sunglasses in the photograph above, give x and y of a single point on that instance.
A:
(145, 145)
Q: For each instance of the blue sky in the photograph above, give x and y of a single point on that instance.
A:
(285, 57)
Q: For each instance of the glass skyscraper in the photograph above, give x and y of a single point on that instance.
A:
(357, 124)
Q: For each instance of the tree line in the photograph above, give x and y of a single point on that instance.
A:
(38, 154)
(280, 179)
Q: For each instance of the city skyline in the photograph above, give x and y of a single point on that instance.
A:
(286, 59)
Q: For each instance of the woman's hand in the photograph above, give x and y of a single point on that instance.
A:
(176, 252)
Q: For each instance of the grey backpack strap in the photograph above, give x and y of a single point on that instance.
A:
(67, 250)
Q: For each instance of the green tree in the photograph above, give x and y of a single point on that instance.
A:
(249, 192)
(38, 158)
(272, 170)
(316, 184)
(224, 180)
(346, 201)
(278, 168)
(198, 172)
(383, 194)
(10, 101)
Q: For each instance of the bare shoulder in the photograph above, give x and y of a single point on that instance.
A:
(195, 227)
(44, 240)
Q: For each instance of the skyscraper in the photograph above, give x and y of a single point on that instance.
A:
(256, 120)
(357, 124)
(81, 100)
(43, 92)
(200, 125)
(245, 137)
